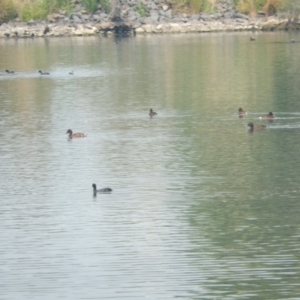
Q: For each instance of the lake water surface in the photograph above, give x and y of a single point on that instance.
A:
(201, 208)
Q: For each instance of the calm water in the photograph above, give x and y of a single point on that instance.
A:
(200, 209)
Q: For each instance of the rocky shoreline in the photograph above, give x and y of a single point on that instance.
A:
(126, 18)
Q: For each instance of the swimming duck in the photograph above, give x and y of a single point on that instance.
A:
(255, 127)
(252, 39)
(241, 112)
(44, 73)
(71, 73)
(292, 41)
(75, 135)
(152, 113)
(268, 116)
(9, 72)
(105, 190)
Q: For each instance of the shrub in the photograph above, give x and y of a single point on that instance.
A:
(90, 5)
(106, 5)
(195, 6)
(141, 9)
(7, 11)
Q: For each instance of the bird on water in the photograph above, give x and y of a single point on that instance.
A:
(152, 113)
(255, 127)
(43, 73)
(75, 135)
(270, 115)
(105, 190)
(242, 112)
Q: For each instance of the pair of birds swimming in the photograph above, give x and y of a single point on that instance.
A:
(77, 135)
(72, 135)
(268, 116)
(46, 73)
(252, 39)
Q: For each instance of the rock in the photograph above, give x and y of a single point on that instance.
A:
(31, 22)
(218, 16)
(85, 17)
(241, 16)
(228, 14)
(139, 30)
(50, 18)
(261, 14)
(154, 16)
(132, 18)
(103, 16)
(195, 17)
(76, 17)
(168, 13)
(241, 21)
(96, 18)
(204, 16)
(157, 18)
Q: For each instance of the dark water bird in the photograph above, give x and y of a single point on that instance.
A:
(270, 115)
(105, 190)
(71, 73)
(152, 113)
(255, 127)
(46, 30)
(252, 39)
(7, 34)
(75, 135)
(43, 73)
(242, 112)
(9, 72)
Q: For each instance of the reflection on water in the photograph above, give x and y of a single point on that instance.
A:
(201, 208)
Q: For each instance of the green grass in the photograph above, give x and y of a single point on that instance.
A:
(106, 5)
(38, 10)
(141, 9)
(90, 5)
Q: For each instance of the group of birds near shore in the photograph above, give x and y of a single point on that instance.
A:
(41, 72)
(252, 39)
(72, 135)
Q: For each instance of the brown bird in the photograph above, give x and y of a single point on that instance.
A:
(242, 112)
(255, 127)
(152, 113)
(75, 135)
(268, 116)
